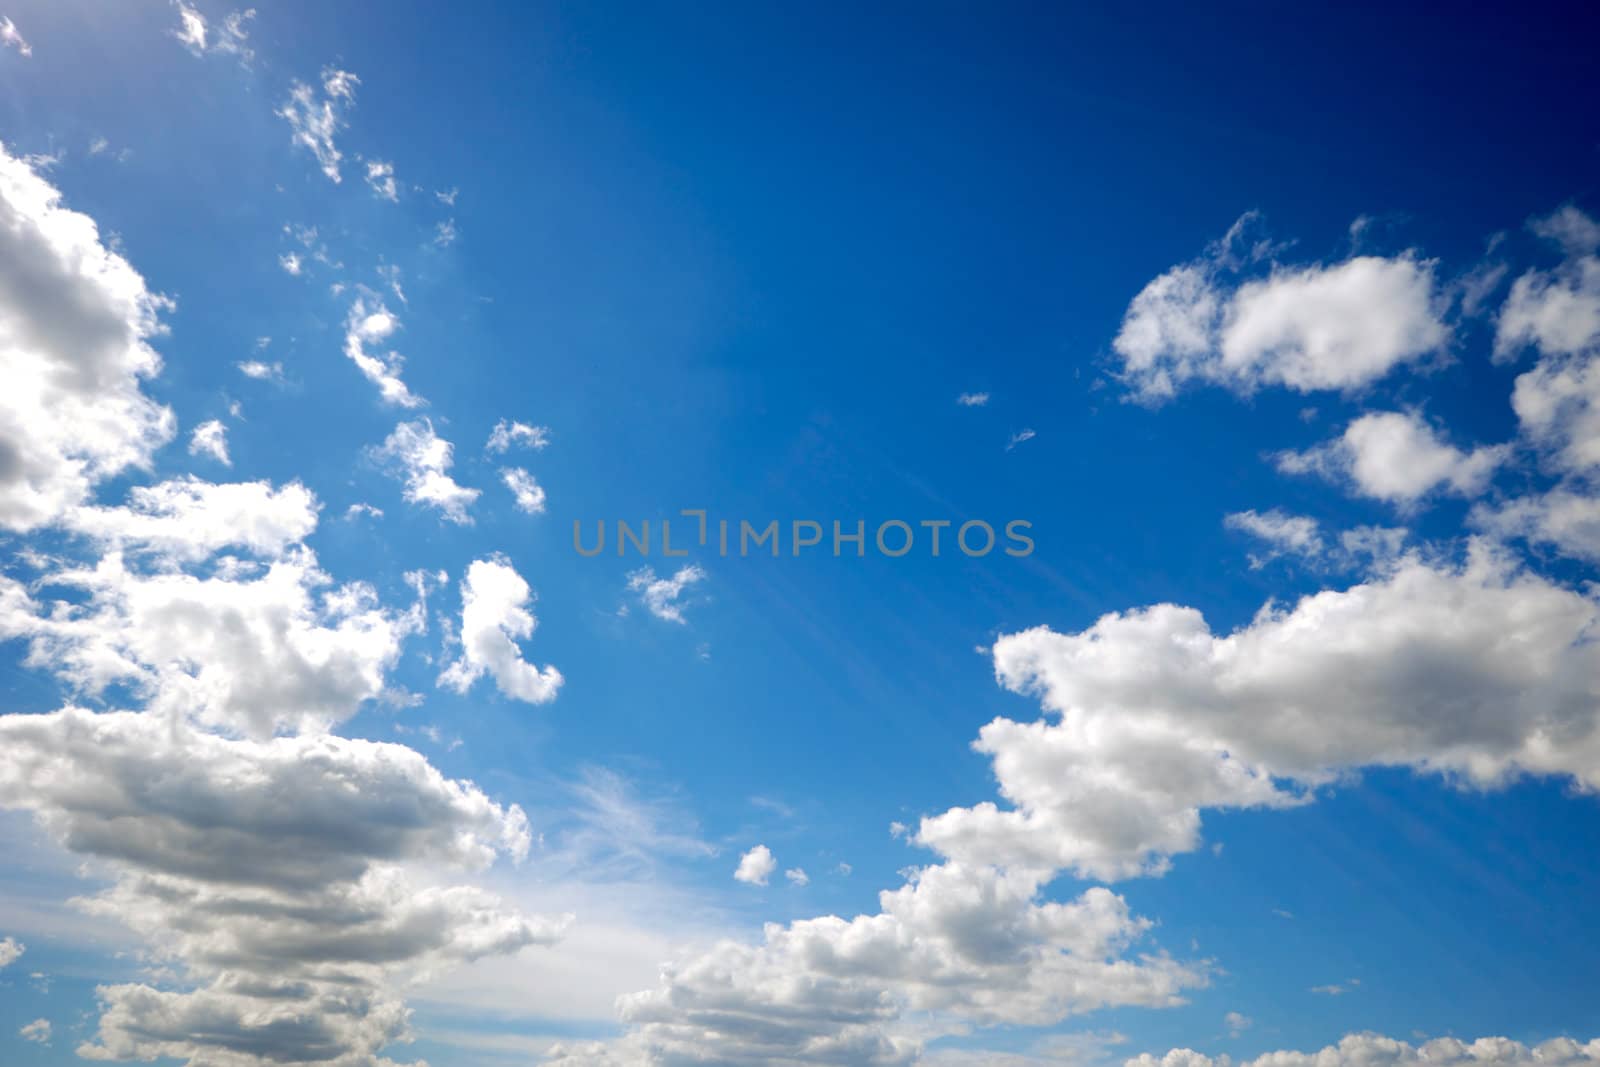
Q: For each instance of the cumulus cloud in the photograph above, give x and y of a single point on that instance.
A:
(494, 617)
(10, 952)
(370, 323)
(1558, 311)
(1374, 1050)
(423, 460)
(1237, 1023)
(261, 370)
(210, 438)
(1481, 671)
(315, 119)
(1283, 533)
(508, 433)
(380, 178)
(1564, 518)
(189, 519)
(37, 1031)
(527, 492)
(755, 866)
(797, 877)
(1399, 458)
(1320, 327)
(74, 349)
(956, 945)
(662, 596)
(11, 37)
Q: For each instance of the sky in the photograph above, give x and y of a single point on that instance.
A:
(1263, 343)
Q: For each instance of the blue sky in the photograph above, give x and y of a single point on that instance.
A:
(1246, 307)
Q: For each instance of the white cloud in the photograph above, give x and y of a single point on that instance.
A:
(291, 263)
(370, 323)
(1237, 1023)
(1398, 458)
(494, 617)
(755, 866)
(355, 511)
(231, 38)
(10, 952)
(1284, 534)
(37, 1031)
(797, 877)
(1557, 310)
(73, 353)
(261, 370)
(423, 460)
(188, 519)
(447, 197)
(210, 438)
(191, 31)
(444, 234)
(972, 400)
(1564, 518)
(10, 37)
(1558, 406)
(529, 494)
(1325, 326)
(1374, 1050)
(1473, 671)
(380, 177)
(661, 596)
(315, 119)
(1019, 437)
(508, 433)
(955, 946)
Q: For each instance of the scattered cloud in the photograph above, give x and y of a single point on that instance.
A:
(37, 1031)
(495, 615)
(528, 493)
(661, 596)
(261, 370)
(210, 438)
(423, 460)
(11, 37)
(972, 400)
(315, 119)
(380, 178)
(508, 433)
(1374, 1050)
(755, 866)
(10, 952)
(1019, 437)
(1236, 1023)
(797, 877)
(1398, 458)
(370, 323)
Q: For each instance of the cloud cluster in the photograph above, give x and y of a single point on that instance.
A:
(1374, 1050)
(494, 617)
(1333, 326)
(423, 460)
(315, 119)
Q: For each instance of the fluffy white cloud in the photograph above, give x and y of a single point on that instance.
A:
(189, 519)
(315, 119)
(261, 370)
(1374, 1050)
(528, 493)
(957, 946)
(423, 460)
(1399, 458)
(1283, 533)
(37, 1031)
(660, 596)
(76, 321)
(797, 877)
(508, 433)
(755, 866)
(1237, 1023)
(10, 951)
(380, 177)
(371, 323)
(210, 438)
(1481, 671)
(1564, 518)
(1556, 310)
(1335, 326)
(250, 648)
(191, 31)
(11, 37)
(494, 617)
(272, 872)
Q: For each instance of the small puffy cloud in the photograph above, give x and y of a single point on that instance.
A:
(74, 352)
(1320, 327)
(494, 617)
(529, 494)
(755, 866)
(1399, 458)
(508, 434)
(37, 1031)
(11, 951)
(1557, 311)
(291, 263)
(423, 460)
(210, 438)
(380, 178)
(315, 119)
(1283, 534)
(661, 596)
(1374, 1050)
(370, 323)
(1564, 518)
(972, 400)
(797, 877)
(1236, 1023)
(356, 511)
(11, 37)
(261, 370)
